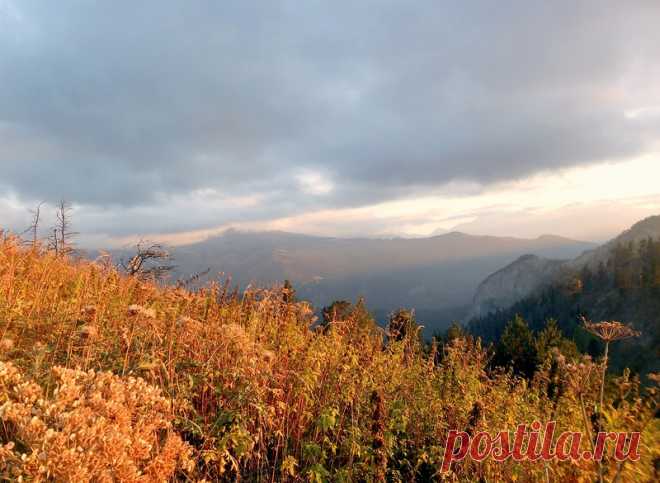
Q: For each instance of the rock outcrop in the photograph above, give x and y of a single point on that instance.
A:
(514, 282)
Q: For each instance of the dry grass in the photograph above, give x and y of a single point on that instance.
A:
(93, 426)
(255, 390)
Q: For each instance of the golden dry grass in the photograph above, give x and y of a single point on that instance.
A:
(216, 386)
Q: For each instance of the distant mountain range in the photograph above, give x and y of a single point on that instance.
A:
(530, 273)
(437, 276)
(455, 276)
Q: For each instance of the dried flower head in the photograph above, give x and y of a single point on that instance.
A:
(6, 344)
(88, 331)
(610, 330)
(94, 427)
(88, 310)
(136, 309)
(579, 375)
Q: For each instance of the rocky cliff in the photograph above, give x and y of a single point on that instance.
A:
(514, 282)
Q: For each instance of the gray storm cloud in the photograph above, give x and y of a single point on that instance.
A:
(127, 103)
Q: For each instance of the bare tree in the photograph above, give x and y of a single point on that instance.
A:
(33, 229)
(149, 262)
(64, 226)
(61, 239)
(54, 242)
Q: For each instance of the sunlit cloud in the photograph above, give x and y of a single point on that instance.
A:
(156, 129)
(313, 183)
(552, 202)
(644, 113)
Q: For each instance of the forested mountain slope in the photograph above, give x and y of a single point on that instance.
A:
(530, 273)
(623, 286)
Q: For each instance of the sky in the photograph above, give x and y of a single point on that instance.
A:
(175, 120)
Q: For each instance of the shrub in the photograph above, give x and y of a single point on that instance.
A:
(93, 426)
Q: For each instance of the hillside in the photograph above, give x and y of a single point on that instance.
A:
(512, 283)
(624, 286)
(642, 230)
(437, 275)
(530, 274)
(106, 376)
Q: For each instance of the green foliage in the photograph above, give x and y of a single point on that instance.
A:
(288, 292)
(402, 324)
(525, 351)
(516, 348)
(337, 311)
(551, 338)
(626, 288)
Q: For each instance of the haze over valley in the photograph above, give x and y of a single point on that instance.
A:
(436, 276)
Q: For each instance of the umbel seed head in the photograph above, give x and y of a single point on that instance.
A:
(610, 330)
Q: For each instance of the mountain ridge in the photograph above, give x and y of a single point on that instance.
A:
(436, 275)
(500, 289)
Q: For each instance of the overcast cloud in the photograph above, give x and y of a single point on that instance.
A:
(159, 116)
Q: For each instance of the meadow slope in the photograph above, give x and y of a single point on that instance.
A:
(108, 377)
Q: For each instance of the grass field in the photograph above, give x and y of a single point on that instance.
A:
(106, 377)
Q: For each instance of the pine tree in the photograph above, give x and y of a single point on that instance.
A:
(288, 292)
(516, 348)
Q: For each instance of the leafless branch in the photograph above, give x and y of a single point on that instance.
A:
(149, 262)
(61, 239)
(33, 229)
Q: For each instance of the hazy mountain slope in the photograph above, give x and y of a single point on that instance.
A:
(436, 275)
(269, 256)
(513, 282)
(530, 273)
(646, 228)
(626, 287)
